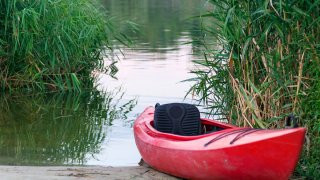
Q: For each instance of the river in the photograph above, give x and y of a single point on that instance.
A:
(95, 128)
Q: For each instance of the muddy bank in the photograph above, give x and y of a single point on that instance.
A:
(74, 172)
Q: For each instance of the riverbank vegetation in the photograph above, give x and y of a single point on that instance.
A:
(53, 45)
(266, 66)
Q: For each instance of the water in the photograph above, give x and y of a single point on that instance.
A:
(57, 129)
(152, 70)
(95, 128)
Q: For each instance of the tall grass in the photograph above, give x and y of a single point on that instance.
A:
(52, 45)
(266, 65)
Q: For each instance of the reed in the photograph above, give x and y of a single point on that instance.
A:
(53, 45)
(265, 66)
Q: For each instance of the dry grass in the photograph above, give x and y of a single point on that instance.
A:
(265, 67)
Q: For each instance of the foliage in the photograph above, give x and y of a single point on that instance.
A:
(310, 162)
(52, 45)
(266, 65)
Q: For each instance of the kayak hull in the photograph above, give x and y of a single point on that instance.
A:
(261, 154)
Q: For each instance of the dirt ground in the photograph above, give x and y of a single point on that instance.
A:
(80, 172)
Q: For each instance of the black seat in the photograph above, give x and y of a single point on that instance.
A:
(177, 118)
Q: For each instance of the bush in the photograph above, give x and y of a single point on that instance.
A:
(52, 45)
(266, 65)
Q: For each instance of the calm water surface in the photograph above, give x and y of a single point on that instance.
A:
(95, 128)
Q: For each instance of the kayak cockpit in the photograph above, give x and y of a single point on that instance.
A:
(208, 128)
(183, 119)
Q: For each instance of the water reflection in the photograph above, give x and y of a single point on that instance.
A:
(57, 129)
(162, 22)
(164, 48)
(152, 70)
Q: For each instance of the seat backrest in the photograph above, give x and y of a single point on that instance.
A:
(177, 118)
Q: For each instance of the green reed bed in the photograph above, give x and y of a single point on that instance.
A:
(266, 65)
(53, 45)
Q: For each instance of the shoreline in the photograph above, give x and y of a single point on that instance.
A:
(80, 172)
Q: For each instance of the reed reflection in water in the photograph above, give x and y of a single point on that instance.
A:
(57, 129)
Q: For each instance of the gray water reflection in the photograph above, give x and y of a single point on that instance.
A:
(162, 23)
(163, 50)
(152, 70)
(57, 129)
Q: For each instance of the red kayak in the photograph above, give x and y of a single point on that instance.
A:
(228, 153)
